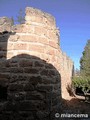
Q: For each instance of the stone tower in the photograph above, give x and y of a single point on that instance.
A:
(33, 69)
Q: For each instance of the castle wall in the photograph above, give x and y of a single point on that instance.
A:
(34, 69)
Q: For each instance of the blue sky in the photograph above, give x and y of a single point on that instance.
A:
(72, 18)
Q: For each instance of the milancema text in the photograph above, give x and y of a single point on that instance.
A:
(66, 115)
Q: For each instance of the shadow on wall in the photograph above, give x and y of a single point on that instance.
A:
(30, 88)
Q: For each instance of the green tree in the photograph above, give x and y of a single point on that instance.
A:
(85, 61)
(81, 82)
(83, 79)
(12, 20)
(20, 17)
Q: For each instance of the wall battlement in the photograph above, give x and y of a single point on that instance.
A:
(33, 69)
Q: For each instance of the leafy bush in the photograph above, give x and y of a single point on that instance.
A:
(81, 82)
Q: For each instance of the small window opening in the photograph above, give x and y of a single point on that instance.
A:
(3, 93)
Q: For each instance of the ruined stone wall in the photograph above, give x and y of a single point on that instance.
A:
(34, 71)
(5, 24)
(66, 75)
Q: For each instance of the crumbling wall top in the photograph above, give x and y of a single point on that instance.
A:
(5, 24)
(38, 16)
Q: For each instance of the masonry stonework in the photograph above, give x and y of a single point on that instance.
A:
(34, 72)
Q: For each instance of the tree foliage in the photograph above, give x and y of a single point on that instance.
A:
(21, 17)
(81, 82)
(12, 20)
(85, 61)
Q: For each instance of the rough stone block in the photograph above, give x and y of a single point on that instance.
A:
(25, 63)
(16, 70)
(28, 38)
(40, 31)
(46, 88)
(53, 44)
(38, 64)
(15, 87)
(37, 48)
(3, 46)
(31, 70)
(35, 96)
(20, 46)
(17, 96)
(30, 105)
(36, 19)
(2, 55)
(10, 54)
(13, 38)
(34, 80)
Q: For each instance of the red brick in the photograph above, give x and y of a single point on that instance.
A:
(43, 40)
(40, 31)
(20, 46)
(51, 52)
(53, 44)
(37, 48)
(28, 38)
